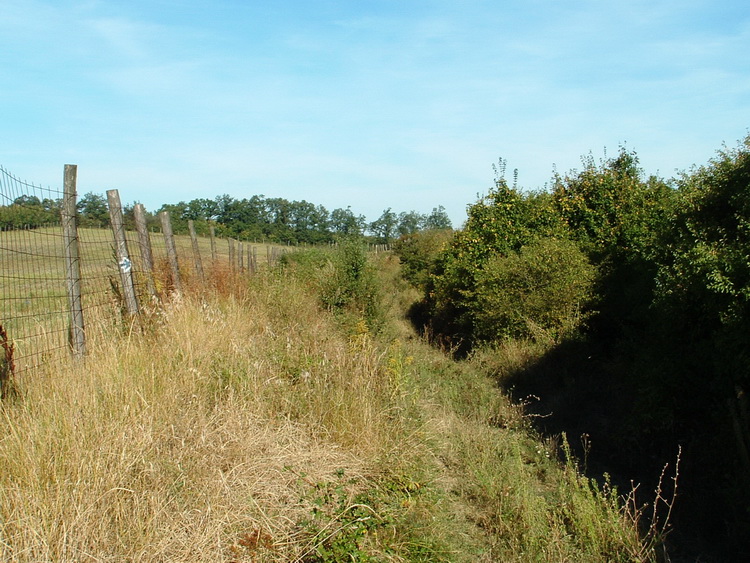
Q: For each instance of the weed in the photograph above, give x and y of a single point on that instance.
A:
(7, 365)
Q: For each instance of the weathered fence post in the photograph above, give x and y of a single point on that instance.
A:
(232, 261)
(213, 243)
(144, 245)
(73, 261)
(196, 250)
(240, 256)
(166, 227)
(121, 250)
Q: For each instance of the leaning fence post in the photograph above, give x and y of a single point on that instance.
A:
(144, 244)
(121, 250)
(166, 227)
(73, 261)
(196, 250)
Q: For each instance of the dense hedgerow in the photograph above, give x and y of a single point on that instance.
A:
(658, 269)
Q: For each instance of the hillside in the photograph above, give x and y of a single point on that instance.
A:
(271, 422)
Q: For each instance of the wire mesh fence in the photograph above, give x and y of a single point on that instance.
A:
(33, 303)
(37, 323)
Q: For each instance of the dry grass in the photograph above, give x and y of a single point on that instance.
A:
(248, 426)
(33, 292)
(198, 443)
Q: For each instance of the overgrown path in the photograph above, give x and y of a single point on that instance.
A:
(272, 421)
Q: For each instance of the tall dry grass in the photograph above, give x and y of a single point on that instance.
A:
(245, 423)
(204, 440)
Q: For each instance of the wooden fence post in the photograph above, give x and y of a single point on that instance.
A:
(73, 261)
(144, 245)
(166, 227)
(121, 250)
(232, 260)
(196, 250)
(240, 256)
(213, 243)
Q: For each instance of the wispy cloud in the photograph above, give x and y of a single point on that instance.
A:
(367, 104)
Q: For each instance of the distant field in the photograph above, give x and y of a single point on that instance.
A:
(33, 295)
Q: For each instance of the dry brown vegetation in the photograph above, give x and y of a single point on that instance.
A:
(248, 424)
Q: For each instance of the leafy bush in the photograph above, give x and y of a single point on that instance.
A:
(540, 291)
(611, 208)
(499, 224)
(418, 253)
(343, 279)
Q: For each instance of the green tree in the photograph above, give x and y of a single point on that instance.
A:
(384, 227)
(499, 224)
(438, 219)
(345, 223)
(611, 208)
(28, 211)
(202, 209)
(410, 222)
(93, 210)
(704, 280)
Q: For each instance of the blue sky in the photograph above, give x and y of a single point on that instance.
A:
(370, 104)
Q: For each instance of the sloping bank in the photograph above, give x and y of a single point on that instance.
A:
(295, 419)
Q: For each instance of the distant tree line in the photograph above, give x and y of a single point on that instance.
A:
(257, 218)
(29, 211)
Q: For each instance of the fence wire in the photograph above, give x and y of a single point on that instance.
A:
(34, 303)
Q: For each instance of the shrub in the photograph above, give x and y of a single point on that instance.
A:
(343, 279)
(418, 253)
(612, 209)
(498, 226)
(542, 290)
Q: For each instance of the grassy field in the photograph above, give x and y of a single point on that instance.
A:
(33, 296)
(250, 423)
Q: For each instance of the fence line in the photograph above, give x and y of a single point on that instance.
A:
(40, 267)
(33, 303)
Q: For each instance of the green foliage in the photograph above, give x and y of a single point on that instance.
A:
(385, 227)
(29, 212)
(340, 522)
(438, 220)
(344, 223)
(611, 209)
(93, 210)
(703, 293)
(499, 224)
(711, 239)
(540, 291)
(418, 253)
(666, 354)
(343, 279)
